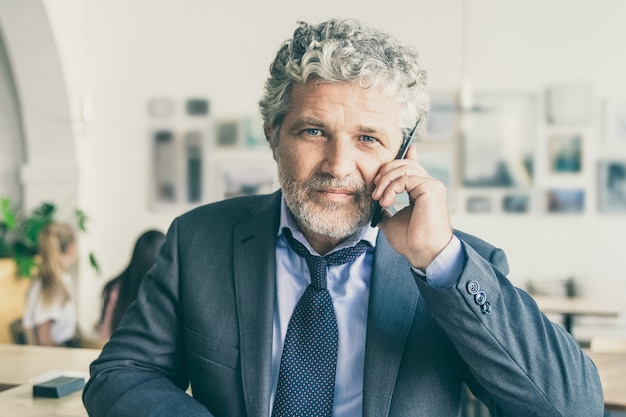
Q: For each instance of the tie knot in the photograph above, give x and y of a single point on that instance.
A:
(346, 255)
(317, 264)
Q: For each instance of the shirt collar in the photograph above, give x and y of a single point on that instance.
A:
(367, 233)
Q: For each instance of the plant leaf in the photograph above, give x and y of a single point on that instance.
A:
(25, 265)
(94, 262)
(7, 214)
(45, 210)
(81, 218)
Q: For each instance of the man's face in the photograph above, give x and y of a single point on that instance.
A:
(332, 142)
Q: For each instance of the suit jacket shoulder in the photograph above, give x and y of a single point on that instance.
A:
(487, 251)
(223, 214)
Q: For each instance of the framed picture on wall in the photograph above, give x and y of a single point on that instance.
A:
(442, 121)
(229, 132)
(180, 145)
(498, 140)
(165, 166)
(565, 153)
(253, 131)
(193, 165)
(565, 200)
(244, 174)
(195, 107)
(612, 185)
(179, 164)
(516, 203)
(478, 204)
(615, 122)
(161, 107)
(569, 104)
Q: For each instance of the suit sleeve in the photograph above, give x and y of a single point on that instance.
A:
(519, 363)
(141, 370)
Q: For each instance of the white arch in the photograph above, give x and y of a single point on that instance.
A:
(50, 171)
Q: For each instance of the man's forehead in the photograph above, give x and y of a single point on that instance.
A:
(320, 103)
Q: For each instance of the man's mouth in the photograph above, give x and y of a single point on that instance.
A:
(335, 194)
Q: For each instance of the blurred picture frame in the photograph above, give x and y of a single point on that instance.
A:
(478, 204)
(244, 174)
(565, 200)
(180, 145)
(229, 132)
(498, 140)
(569, 104)
(565, 152)
(161, 107)
(612, 185)
(197, 107)
(615, 122)
(194, 162)
(166, 178)
(179, 168)
(516, 203)
(253, 131)
(442, 122)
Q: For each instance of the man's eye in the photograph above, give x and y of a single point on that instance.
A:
(313, 132)
(368, 139)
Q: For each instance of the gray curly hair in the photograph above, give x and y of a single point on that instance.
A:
(345, 51)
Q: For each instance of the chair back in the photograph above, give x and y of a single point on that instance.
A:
(18, 333)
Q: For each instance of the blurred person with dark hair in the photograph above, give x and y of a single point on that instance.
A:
(50, 313)
(297, 303)
(122, 290)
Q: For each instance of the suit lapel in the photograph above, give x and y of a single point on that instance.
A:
(393, 298)
(255, 270)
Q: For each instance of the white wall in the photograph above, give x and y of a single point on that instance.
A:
(11, 144)
(118, 54)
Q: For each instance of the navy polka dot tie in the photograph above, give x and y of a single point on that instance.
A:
(306, 380)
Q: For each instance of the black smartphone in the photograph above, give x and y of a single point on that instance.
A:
(406, 142)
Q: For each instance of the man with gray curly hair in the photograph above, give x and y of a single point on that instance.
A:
(307, 302)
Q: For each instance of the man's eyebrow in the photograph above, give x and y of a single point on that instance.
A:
(306, 121)
(370, 129)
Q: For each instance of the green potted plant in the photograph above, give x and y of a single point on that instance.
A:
(19, 233)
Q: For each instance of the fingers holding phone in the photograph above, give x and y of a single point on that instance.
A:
(402, 152)
(421, 230)
(392, 177)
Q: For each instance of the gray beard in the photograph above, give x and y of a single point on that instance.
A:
(327, 218)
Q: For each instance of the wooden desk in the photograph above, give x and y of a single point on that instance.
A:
(20, 364)
(612, 369)
(570, 307)
(19, 402)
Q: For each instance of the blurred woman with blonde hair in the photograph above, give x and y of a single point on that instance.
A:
(50, 313)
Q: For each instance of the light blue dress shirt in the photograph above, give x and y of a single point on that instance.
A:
(349, 288)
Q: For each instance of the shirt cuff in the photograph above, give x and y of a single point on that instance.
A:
(444, 271)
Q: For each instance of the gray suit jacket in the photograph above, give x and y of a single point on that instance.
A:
(204, 316)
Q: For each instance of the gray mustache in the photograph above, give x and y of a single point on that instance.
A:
(353, 184)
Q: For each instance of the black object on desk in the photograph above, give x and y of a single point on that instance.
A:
(58, 387)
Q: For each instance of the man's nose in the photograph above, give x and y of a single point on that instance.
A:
(340, 157)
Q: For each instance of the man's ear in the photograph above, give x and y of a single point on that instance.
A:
(268, 132)
(268, 135)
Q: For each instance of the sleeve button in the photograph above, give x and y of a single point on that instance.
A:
(480, 298)
(486, 308)
(473, 287)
